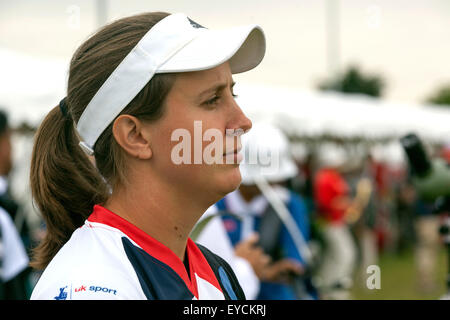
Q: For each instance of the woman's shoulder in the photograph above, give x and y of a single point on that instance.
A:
(91, 265)
(224, 274)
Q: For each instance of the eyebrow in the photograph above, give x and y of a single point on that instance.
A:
(216, 88)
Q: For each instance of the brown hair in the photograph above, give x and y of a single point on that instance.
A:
(64, 182)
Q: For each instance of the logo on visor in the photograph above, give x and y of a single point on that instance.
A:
(195, 24)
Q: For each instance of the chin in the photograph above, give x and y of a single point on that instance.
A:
(225, 182)
(231, 181)
(219, 184)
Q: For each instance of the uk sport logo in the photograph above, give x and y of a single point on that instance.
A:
(80, 289)
(95, 289)
(102, 289)
(62, 294)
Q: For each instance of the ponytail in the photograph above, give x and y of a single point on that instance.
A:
(64, 183)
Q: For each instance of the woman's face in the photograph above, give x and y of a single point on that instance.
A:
(200, 105)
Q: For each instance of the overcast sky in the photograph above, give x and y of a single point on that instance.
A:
(407, 41)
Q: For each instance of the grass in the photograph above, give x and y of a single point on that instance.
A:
(399, 279)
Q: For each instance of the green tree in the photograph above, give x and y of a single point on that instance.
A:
(353, 80)
(440, 96)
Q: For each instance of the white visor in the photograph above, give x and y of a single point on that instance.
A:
(175, 44)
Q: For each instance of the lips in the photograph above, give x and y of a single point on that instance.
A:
(234, 151)
(233, 156)
(236, 145)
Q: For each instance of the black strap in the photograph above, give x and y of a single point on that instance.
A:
(269, 233)
(63, 108)
(224, 274)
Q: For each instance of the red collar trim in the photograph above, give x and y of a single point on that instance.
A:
(197, 262)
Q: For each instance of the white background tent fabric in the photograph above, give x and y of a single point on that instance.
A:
(302, 113)
(30, 87)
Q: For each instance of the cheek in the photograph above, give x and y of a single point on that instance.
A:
(179, 144)
(183, 163)
(193, 140)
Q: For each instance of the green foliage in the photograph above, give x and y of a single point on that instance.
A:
(441, 96)
(353, 80)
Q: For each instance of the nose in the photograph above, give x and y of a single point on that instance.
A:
(239, 121)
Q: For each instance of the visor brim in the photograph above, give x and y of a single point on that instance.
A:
(244, 47)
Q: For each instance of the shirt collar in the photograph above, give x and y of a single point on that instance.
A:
(198, 264)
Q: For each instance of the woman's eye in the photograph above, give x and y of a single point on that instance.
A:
(215, 100)
(212, 101)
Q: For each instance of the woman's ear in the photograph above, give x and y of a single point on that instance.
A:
(131, 135)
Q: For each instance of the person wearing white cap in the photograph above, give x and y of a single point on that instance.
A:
(252, 224)
(119, 214)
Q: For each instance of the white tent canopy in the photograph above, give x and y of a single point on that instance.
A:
(313, 114)
(30, 87)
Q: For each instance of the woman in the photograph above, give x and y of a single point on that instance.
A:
(120, 229)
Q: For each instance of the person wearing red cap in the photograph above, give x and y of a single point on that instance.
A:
(333, 202)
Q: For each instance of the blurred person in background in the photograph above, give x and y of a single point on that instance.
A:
(302, 183)
(406, 199)
(14, 270)
(445, 153)
(13, 261)
(336, 208)
(426, 224)
(427, 245)
(7, 201)
(254, 228)
(210, 232)
(361, 220)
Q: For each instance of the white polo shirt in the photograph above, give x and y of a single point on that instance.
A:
(110, 258)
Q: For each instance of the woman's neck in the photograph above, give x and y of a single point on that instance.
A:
(159, 211)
